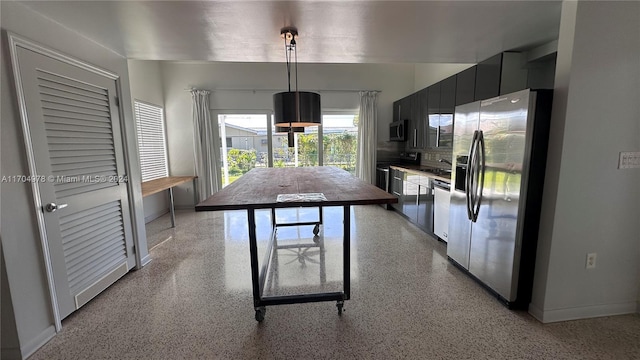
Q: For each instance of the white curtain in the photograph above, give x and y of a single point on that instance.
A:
(206, 149)
(367, 136)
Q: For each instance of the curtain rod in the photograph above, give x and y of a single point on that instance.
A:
(280, 90)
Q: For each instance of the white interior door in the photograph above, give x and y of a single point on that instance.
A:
(75, 135)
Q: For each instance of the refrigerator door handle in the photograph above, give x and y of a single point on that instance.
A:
(468, 176)
(481, 170)
(473, 181)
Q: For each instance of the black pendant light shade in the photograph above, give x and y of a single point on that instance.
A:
(297, 109)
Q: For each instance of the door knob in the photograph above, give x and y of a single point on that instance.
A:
(51, 207)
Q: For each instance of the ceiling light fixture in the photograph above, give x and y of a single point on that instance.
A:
(295, 109)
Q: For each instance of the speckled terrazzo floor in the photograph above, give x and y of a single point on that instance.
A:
(193, 301)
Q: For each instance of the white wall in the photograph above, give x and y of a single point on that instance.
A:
(429, 74)
(20, 239)
(589, 205)
(145, 79)
(395, 81)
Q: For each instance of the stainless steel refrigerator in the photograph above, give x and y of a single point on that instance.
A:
(499, 159)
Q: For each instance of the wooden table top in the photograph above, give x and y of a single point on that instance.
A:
(156, 185)
(259, 188)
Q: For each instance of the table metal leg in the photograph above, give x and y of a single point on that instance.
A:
(255, 275)
(171, 208)
(347, 252)
(259, 276)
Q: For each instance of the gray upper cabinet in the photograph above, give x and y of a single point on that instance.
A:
(411, 111)
(500, 74)
(433, 113)
(466, 86)
(447, 109)
(402, 109)
(429, 112)
(488, 78)
(396, 110)
(441, 106)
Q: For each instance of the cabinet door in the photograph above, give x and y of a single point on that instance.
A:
(411, 190)
(416, 132)
(395, 184)
(396, 110)
(488, 78)
(465, 86)
(405, 108)
(425, 205)
(423, 103)
(433, 113)
(447, 108)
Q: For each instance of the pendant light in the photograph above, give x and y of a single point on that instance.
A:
(295, 109)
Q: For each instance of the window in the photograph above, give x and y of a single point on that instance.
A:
(340, 140)
(151, 140)
(244, 148)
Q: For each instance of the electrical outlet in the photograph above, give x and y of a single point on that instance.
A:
(629, 160)
(591, 260)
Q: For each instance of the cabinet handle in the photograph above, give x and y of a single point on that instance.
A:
(415, 138)
(438, 136)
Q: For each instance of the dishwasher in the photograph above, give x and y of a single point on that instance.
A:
(442, 196)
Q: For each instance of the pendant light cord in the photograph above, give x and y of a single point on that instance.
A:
(287, 56)
(295, 51)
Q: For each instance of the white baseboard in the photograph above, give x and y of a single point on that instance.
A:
(583, 312)
(536, 312)
(145, 260)
(155, 215)
(34, 344)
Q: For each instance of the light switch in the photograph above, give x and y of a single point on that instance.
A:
(629, 160)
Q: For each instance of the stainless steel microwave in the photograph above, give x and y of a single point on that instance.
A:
(398, 131)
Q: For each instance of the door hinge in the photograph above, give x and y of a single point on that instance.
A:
(133, 249)
(116, 100)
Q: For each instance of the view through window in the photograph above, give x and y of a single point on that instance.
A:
(340, 140)
(244, 144)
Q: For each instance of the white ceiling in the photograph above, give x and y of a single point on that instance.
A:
(330, 31)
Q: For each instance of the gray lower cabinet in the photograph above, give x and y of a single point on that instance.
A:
(411, 192)
(416, 196)
(424, 217)
(396, 178)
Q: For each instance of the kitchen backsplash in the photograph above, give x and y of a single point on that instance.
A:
(430, 158)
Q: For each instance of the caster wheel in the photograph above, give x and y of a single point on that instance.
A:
(340, 306)
(316, 229)
(260, 314)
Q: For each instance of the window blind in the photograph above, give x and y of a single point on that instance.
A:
(151, 140)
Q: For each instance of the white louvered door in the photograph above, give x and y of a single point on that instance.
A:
(76, 137)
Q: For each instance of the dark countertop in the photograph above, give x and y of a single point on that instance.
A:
(425, 170)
